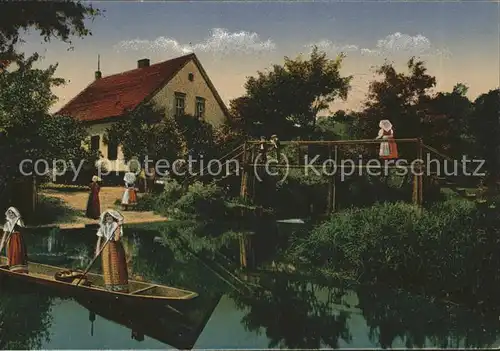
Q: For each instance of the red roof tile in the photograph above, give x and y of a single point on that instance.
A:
(112, 96)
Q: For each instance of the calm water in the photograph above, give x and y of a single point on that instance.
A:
(285, 314)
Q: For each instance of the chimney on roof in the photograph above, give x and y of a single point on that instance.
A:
(143, 63)
(98, 74)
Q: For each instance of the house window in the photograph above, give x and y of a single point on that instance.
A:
(112, 151)
(200, 107)
(191, 77)
(95, 142)
(180, 104)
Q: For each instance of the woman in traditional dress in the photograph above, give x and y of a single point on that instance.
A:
(17, 255)
(142, 181)
(388, 149)
(93, 203)
(129, 195)
(114, 263)
(150, 178)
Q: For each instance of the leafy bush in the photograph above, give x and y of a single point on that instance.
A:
(202, 202)
(445, 247)
(172, 192)
(147, 202)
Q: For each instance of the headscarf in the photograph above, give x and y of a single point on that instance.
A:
(9, 222)
(129, 178)
(107, 230)
(385, 124)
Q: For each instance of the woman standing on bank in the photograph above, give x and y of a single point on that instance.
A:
(129, 194)
(114, 263)
(93, 203)
(17, 255)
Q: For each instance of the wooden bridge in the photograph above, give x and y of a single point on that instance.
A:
(335, 151)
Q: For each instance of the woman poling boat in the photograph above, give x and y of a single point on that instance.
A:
(93, 203)
(17, 255)
(129, 195)
(113, 257)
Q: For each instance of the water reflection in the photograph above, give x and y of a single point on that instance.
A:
(24, 317)
(284, 313)
(142, 320)
(303, 315)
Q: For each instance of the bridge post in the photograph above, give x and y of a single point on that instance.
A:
(417, 195)
(244, 174)
(331, 180)
(421, 175)
(252, 182)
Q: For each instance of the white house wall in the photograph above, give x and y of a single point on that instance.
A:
(100, 129)
(165, 98)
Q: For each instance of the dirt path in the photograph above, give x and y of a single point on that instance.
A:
(108, 196)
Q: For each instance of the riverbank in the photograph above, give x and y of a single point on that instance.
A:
(448, 250)
(66, 207)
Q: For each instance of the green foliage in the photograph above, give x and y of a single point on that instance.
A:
(401, 98)
(148, 133)
(288, 99)
(202, 202)
(486, 130)
(30, 132)
(198, 202)
(51, 19)
(51, 210)
(397, 244)
(26, 318)
(145, 132)
(304, 314)
(447, 126)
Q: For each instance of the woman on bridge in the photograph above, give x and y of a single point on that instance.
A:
(388, 149)
(114, 263)
(17, 255)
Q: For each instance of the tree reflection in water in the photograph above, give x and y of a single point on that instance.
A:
(24, 317)
(294, 317)
(416, 321)
(304, 315)
(152, 261)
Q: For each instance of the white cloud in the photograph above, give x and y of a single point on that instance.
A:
(391, 44)
(329, 46)
(404, 42)
(219, 41)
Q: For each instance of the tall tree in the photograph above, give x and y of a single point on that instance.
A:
(402, 98)
(52, 19)
(29, 132)
(485, 126)
(288, 98)
(446, 126)
(146, 132)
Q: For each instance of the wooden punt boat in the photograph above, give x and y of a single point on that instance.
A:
(139, 292)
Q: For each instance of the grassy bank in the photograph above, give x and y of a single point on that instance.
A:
(449, 249)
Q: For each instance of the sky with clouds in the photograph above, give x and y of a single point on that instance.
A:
(458, 40)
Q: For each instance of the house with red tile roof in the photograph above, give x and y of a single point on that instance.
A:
(179, 86)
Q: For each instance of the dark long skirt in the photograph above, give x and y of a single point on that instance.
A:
(93, 203)
(17, 255)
